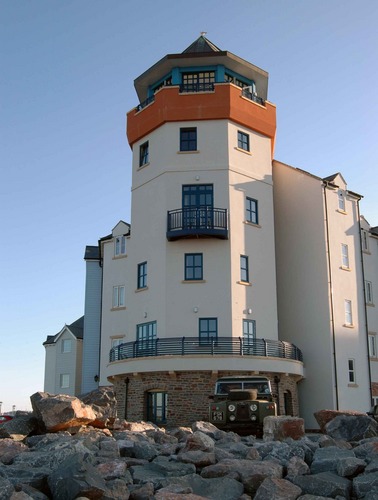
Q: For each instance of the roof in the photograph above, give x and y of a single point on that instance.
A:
(91, 253)
(76, 328)
(374, 230)
(201, 45)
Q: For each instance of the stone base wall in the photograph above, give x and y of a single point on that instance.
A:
(188, 394)
(374, 389)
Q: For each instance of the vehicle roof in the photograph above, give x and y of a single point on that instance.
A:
(243, 379)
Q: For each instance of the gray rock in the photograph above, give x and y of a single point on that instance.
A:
(22, 473)
(20, 425)
(104, 404)
(206, 428)
(199, 441)
(117, 489)
(277, 489)
(350, 466)
(296, 467)
(76, 477)
(142, 492)
(373, 466)
(159, 469)
(325, 484)
(6, 488)
(364, 484)
(325, 459)
(9, 449)
(197, 457)
(145, 451)
(237, 450)
(352, 427)
(253, 476)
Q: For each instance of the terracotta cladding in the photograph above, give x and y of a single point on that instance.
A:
(224, 103)
(188, 394)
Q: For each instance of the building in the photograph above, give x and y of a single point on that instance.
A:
(63, 360)
(233, 264)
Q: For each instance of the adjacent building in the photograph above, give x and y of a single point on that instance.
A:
(233, 264)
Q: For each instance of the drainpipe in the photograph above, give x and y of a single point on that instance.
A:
(277, 381)
(127, 380)
(331, 296)
(365, 310)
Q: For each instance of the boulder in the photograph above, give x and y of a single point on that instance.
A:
(60, 412)
(283, 427)
(9, 449)
(277, 489)
(199, 441)
(21, 426)
(365, 484)
(324, 484)
(104, 404)
(352, 427)
(326, 459)
(325, 416)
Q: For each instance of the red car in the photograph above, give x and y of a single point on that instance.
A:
(5, 418)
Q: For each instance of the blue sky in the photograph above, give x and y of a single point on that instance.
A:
(66, 84)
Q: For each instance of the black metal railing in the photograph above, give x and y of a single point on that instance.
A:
(145, 103)
(197, 87)
(189, 346)
(197, 221)
(246, 92)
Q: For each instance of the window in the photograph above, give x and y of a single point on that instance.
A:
(341, 201)
(120, 246)
(64, 380)
(208, 329)
(348, 312)
(365, 240)
(157, 407)
(143, 154)
(369, 292)
(188, 139)
(249, 329)
(116, 343)
(244, 271)
(118, 296)
(243, 141)
(201, 81)
(142, 275)
(344, 255)
(66, 345)
(351, 371)
(193, 266)
(372, 345)
(251, 211)
(146, 336)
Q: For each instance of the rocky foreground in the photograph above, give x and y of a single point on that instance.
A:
(71, 449)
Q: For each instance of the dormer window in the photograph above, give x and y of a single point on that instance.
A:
(120, 246)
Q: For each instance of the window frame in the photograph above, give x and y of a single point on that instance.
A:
(372, 341)
(194, 267)
(365, 240)
(341, 200)
(351, 371)
(246, 334)
(188, 143)
(205, 335)
(369, 292)
(244, 269)
(156, 411)
(66, 342)
(142, 275)
(118, 298)
(243, 141)
(144, 154)
(251, 210)
(64, 381)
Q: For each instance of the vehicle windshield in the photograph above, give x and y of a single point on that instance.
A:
(225, 387)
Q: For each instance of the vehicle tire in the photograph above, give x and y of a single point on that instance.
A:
(249, 395)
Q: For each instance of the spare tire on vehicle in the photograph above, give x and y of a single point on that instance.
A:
(247, 395)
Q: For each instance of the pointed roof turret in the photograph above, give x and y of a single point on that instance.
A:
(201, 45)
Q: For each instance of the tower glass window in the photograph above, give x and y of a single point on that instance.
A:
(348, 312)
(118, 296)
(199, 81)
(120, 246)
(197, 204)
(188, 139)
(372, 345)
(157, 407)
(341, 201)
(369, 292)
(243, 141)
(143, 154)
(345, 255)
(208, 330)
(146, 335)
(193, 266)
(249, 329)
(351, 371)
(251, 211)
(142, 275)
(244, 269)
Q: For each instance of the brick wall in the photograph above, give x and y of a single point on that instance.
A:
(188, 394)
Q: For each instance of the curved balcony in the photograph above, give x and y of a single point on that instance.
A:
(197, 222)
(193, 346)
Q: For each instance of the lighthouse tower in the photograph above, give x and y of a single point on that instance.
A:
(189, 287)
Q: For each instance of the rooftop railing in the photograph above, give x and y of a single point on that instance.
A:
(189, 346)
(252, 96)
(196, 87)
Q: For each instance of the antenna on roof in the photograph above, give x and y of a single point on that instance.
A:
(203, 33)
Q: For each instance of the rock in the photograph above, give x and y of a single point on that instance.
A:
(253, 476)
(366, 484)
(325, 416)
(9, 449)
(199, 441)
(350, 466)
(19, 427)
(352, 427)
(325, 459)
(197, 457)
(143, 492)
(206, 428)
(112, 470)
(160, 469)
(283, 427)
(296, 467)
(277, 489)
(103, 402)
(326, 484)
(61, 411)
(6, 488)
(222, 488)
(74, 477)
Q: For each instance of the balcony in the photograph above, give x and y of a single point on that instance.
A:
(199, 222)
(197, 87)
(220, 346)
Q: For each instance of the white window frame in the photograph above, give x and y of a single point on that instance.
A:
(348, 312)
(365, 240)
(369, 292)
(372, 345)
(351, 371)
(344, 256)
(118, 296)
(115, 342)
(120, 245)
(64, 380)
(66, 346)
(341, 201)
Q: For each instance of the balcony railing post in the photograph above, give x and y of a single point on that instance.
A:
(134, 349)
(156, 347)
(265, 348)
(183, 346)
(241, 346)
